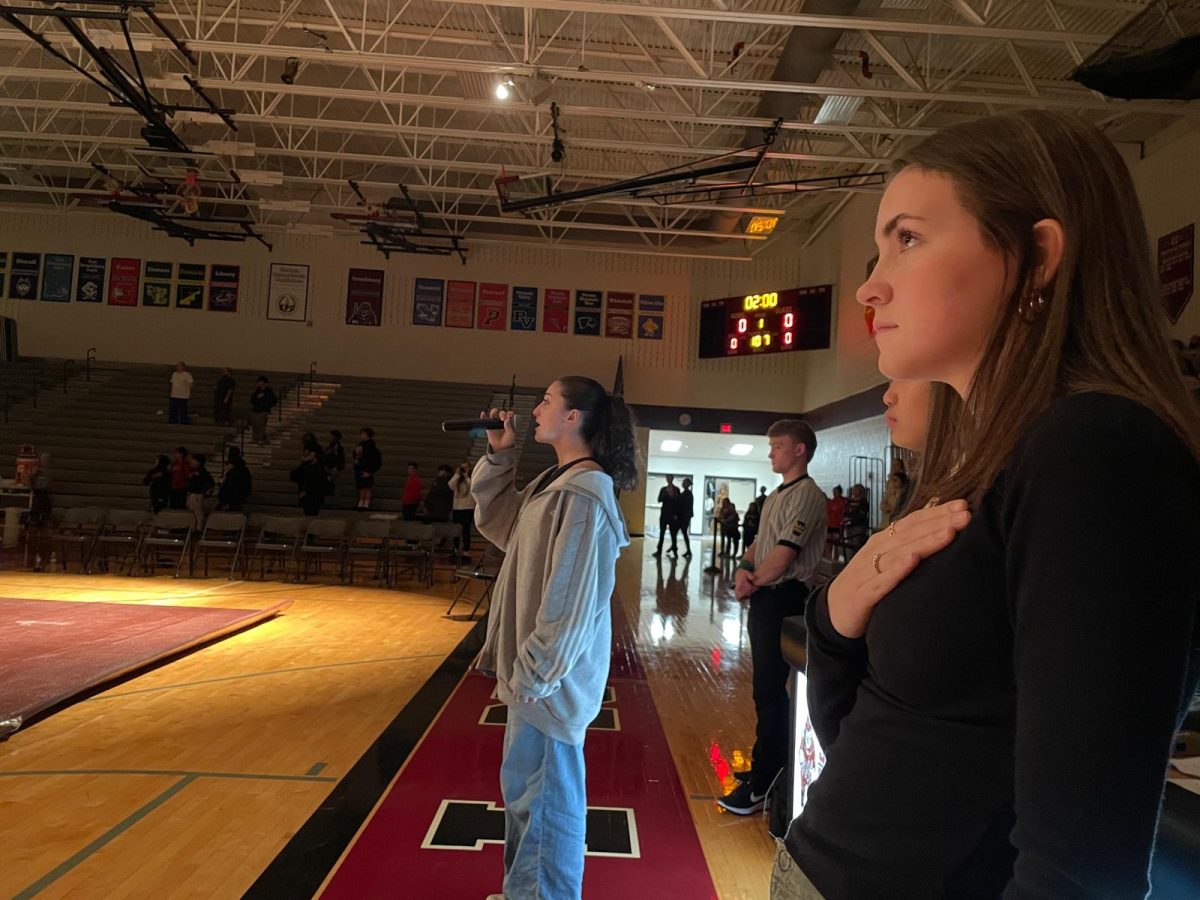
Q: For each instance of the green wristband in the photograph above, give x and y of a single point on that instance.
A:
(746, 564)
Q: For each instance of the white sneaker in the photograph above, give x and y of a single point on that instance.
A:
(494, 897)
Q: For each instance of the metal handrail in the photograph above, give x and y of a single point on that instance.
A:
(91, 356)
(299, 388)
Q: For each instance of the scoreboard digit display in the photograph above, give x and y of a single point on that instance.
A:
(768, 322)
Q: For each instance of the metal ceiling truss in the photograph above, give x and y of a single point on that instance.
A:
(399, 91)
(399, 226)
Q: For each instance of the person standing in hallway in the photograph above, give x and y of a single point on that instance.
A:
(668, 515)
(181, 392)
(223, 398)
(262, 401)
(687, 509)
(772, 577)
(962, 659)
(550, 630)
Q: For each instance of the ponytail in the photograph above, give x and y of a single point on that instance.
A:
(608, 427)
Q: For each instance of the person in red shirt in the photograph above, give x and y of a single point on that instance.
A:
(181, 471)
(411, 498)
(835, 513)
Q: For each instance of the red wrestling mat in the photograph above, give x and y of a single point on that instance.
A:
(52, 650)
(439, 830)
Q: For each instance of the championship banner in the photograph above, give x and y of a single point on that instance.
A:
(223, 288)
(156, 289)
(90, 287)
(460, 304)
(493, 307)
(189, 292)
(618, 317)
(587, 312)
(23, 283)
(287, 292)
(58, 277)
(556, 313)
(1176, 265)
(364, 297)
(524, 309)
(650, 317)
(429, 301)
(123, 282)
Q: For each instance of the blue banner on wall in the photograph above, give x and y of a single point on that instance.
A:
(524, 309)
(58, 276)
(429, 300)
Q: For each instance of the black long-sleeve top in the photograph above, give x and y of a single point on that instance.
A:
(1005, 724)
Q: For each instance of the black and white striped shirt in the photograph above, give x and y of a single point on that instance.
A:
(794, 516)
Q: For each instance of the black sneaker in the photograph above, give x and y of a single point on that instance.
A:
(743, 777)
(742, 801)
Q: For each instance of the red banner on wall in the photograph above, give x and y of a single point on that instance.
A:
(460, 304)
(1176, 267)
(493, 307)
(123, 278)
(556, 314)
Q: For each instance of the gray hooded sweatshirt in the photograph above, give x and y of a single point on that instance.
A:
(549, 631)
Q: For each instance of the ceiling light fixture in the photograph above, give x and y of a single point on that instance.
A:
(669, 446)
(504, 88)
(741, 449)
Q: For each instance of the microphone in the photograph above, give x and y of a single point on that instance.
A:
(473, 425)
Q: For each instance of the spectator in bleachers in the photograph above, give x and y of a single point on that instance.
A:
(181, 471)
(309, 442)
(858, 517)
(410, 502)
(729, 519)
(439, 502)
(335, 459)
(464, 503)
(223, 398)
(200, 484)
(895, 493)
(367, 461)
(236, 483)
(262, 401)
(312, 482)
(159, 481)
(835, 515)
(181, 392)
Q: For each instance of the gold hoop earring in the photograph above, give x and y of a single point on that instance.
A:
(1031, 305)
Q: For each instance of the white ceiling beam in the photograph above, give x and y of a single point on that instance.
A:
(794, 20)
(897, 67)
(1020, 66)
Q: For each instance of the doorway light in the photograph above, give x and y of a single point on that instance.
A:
(741, 449)
(670, 446)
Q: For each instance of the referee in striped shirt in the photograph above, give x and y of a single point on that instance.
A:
(772, 577)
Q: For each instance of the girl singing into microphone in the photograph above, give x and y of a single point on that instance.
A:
(549, 633)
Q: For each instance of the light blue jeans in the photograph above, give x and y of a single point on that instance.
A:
(545, 814)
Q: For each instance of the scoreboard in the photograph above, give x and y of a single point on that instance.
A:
(768, 322)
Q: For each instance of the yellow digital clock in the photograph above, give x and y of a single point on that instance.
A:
(752, 302)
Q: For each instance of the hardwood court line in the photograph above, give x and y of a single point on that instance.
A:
(170, 773)
(99, 843)
(306, 863)
(187, 684)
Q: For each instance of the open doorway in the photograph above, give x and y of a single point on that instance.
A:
(655, 482)
(740, 492)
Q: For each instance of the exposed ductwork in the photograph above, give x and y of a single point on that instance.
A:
(806, 54)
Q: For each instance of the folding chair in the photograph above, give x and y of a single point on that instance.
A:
(323, 538)
(122, 531)
(224, 532)
(368, 541)
(484, 572)
(279, 539)
(410, 549)
(170, 530)
(79, 527)
(447, 539)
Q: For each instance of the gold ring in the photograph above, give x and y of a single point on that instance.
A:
(875, 563)
(892, 529)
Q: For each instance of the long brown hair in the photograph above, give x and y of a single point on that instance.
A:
(1098, 327)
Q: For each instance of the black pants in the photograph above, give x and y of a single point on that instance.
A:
(177, 412)
(177, 499)
(311, 503)
(408, 512)
(464, 518)
(663, 526)
(768, 608)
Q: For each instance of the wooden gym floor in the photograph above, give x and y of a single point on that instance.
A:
(191, 779)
